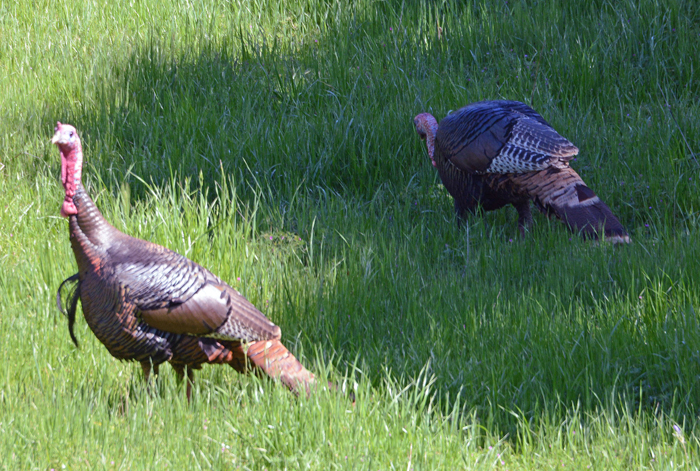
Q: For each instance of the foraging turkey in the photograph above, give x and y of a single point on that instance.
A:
(494, 153)
(149, 304)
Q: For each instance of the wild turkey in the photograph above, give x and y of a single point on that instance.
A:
(149, 304)
(494, 153)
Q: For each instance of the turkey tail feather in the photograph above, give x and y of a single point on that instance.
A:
(276, 361)
(562, 191)
(268, 357)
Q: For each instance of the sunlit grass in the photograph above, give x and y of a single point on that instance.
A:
(272, 142)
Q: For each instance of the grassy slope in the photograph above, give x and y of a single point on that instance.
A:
(468, 349)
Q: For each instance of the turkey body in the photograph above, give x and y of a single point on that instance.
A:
(472, 192)
(494, 153)
(149, 304)
(133, 290)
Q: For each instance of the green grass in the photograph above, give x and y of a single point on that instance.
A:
(272, 142)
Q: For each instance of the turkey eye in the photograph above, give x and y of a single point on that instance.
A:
(71, 134)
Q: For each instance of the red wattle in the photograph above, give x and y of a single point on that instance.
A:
(63, 169)
(68, 208)
(71, 163)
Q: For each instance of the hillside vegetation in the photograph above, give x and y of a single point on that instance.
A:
(273, 143)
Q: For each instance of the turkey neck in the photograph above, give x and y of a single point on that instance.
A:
(91, 235)
(430, 144)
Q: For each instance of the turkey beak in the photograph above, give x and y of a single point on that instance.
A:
(56, 139)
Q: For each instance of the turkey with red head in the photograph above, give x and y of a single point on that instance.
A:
(493, 153)
(147, 303)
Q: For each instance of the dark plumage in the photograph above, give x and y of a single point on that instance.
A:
(147, 303)
(494, 153)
